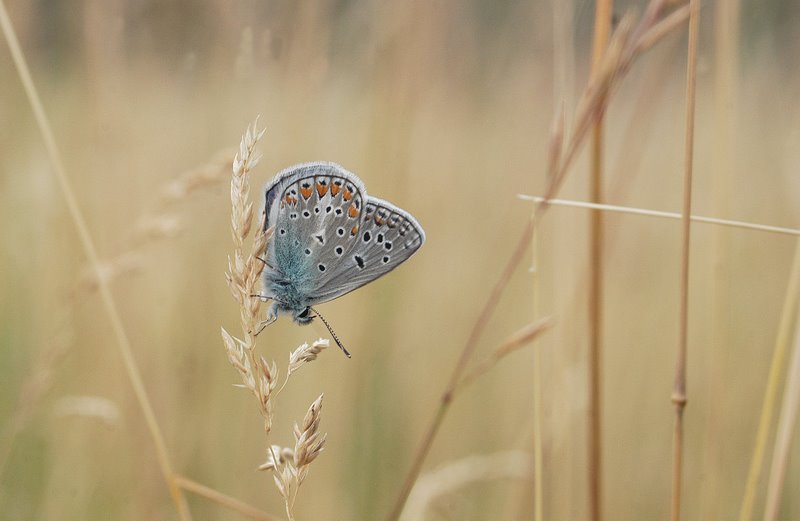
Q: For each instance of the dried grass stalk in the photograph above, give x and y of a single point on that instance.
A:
(289, 467)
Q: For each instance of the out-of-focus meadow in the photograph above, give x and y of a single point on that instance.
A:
(444, 108)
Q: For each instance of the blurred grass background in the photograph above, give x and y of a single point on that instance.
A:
(444, 108)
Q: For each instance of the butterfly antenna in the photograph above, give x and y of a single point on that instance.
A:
(336, 338)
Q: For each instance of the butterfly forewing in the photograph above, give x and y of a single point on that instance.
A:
(315, 209)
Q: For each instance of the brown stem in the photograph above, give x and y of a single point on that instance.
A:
(602, 27)
(679, 389)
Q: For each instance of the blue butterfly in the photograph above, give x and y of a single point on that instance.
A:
(329, 239)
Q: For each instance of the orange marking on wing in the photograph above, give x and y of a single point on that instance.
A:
(305, 192)
(353, 211)
(347, 194)
(354, 230)
(322, 189)
(334, 190)
(379, 221)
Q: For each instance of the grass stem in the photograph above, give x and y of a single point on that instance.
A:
(602, 29)
(776, 369)
(123, 342)
(679, 390)
(784, 435)
(227, 501)
(667, 215)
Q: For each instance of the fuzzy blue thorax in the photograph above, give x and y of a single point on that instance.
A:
(290, 280)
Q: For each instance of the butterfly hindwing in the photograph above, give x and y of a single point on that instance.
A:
(387, 236)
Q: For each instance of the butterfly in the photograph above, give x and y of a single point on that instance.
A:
(329, 239)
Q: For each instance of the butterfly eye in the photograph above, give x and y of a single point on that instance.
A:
(303, 314)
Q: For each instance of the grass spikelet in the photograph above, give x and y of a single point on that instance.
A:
(308, 440)
(290, 467)
(306, 353)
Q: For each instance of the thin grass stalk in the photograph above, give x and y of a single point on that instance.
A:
(602, 28)
(123, 342)
(776, 370)
(783, 437)
(679, 389)
(744, 225)
(218, 497)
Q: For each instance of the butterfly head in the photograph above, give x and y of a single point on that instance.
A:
(303, 316)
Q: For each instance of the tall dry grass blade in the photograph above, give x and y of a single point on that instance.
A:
(123, 343)
(621, 54)
(785, 431)
(679, 389)
(776, 369)
(602, 28)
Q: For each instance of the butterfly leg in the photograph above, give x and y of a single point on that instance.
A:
(272, 316)
(265, 262)
(264, 323)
